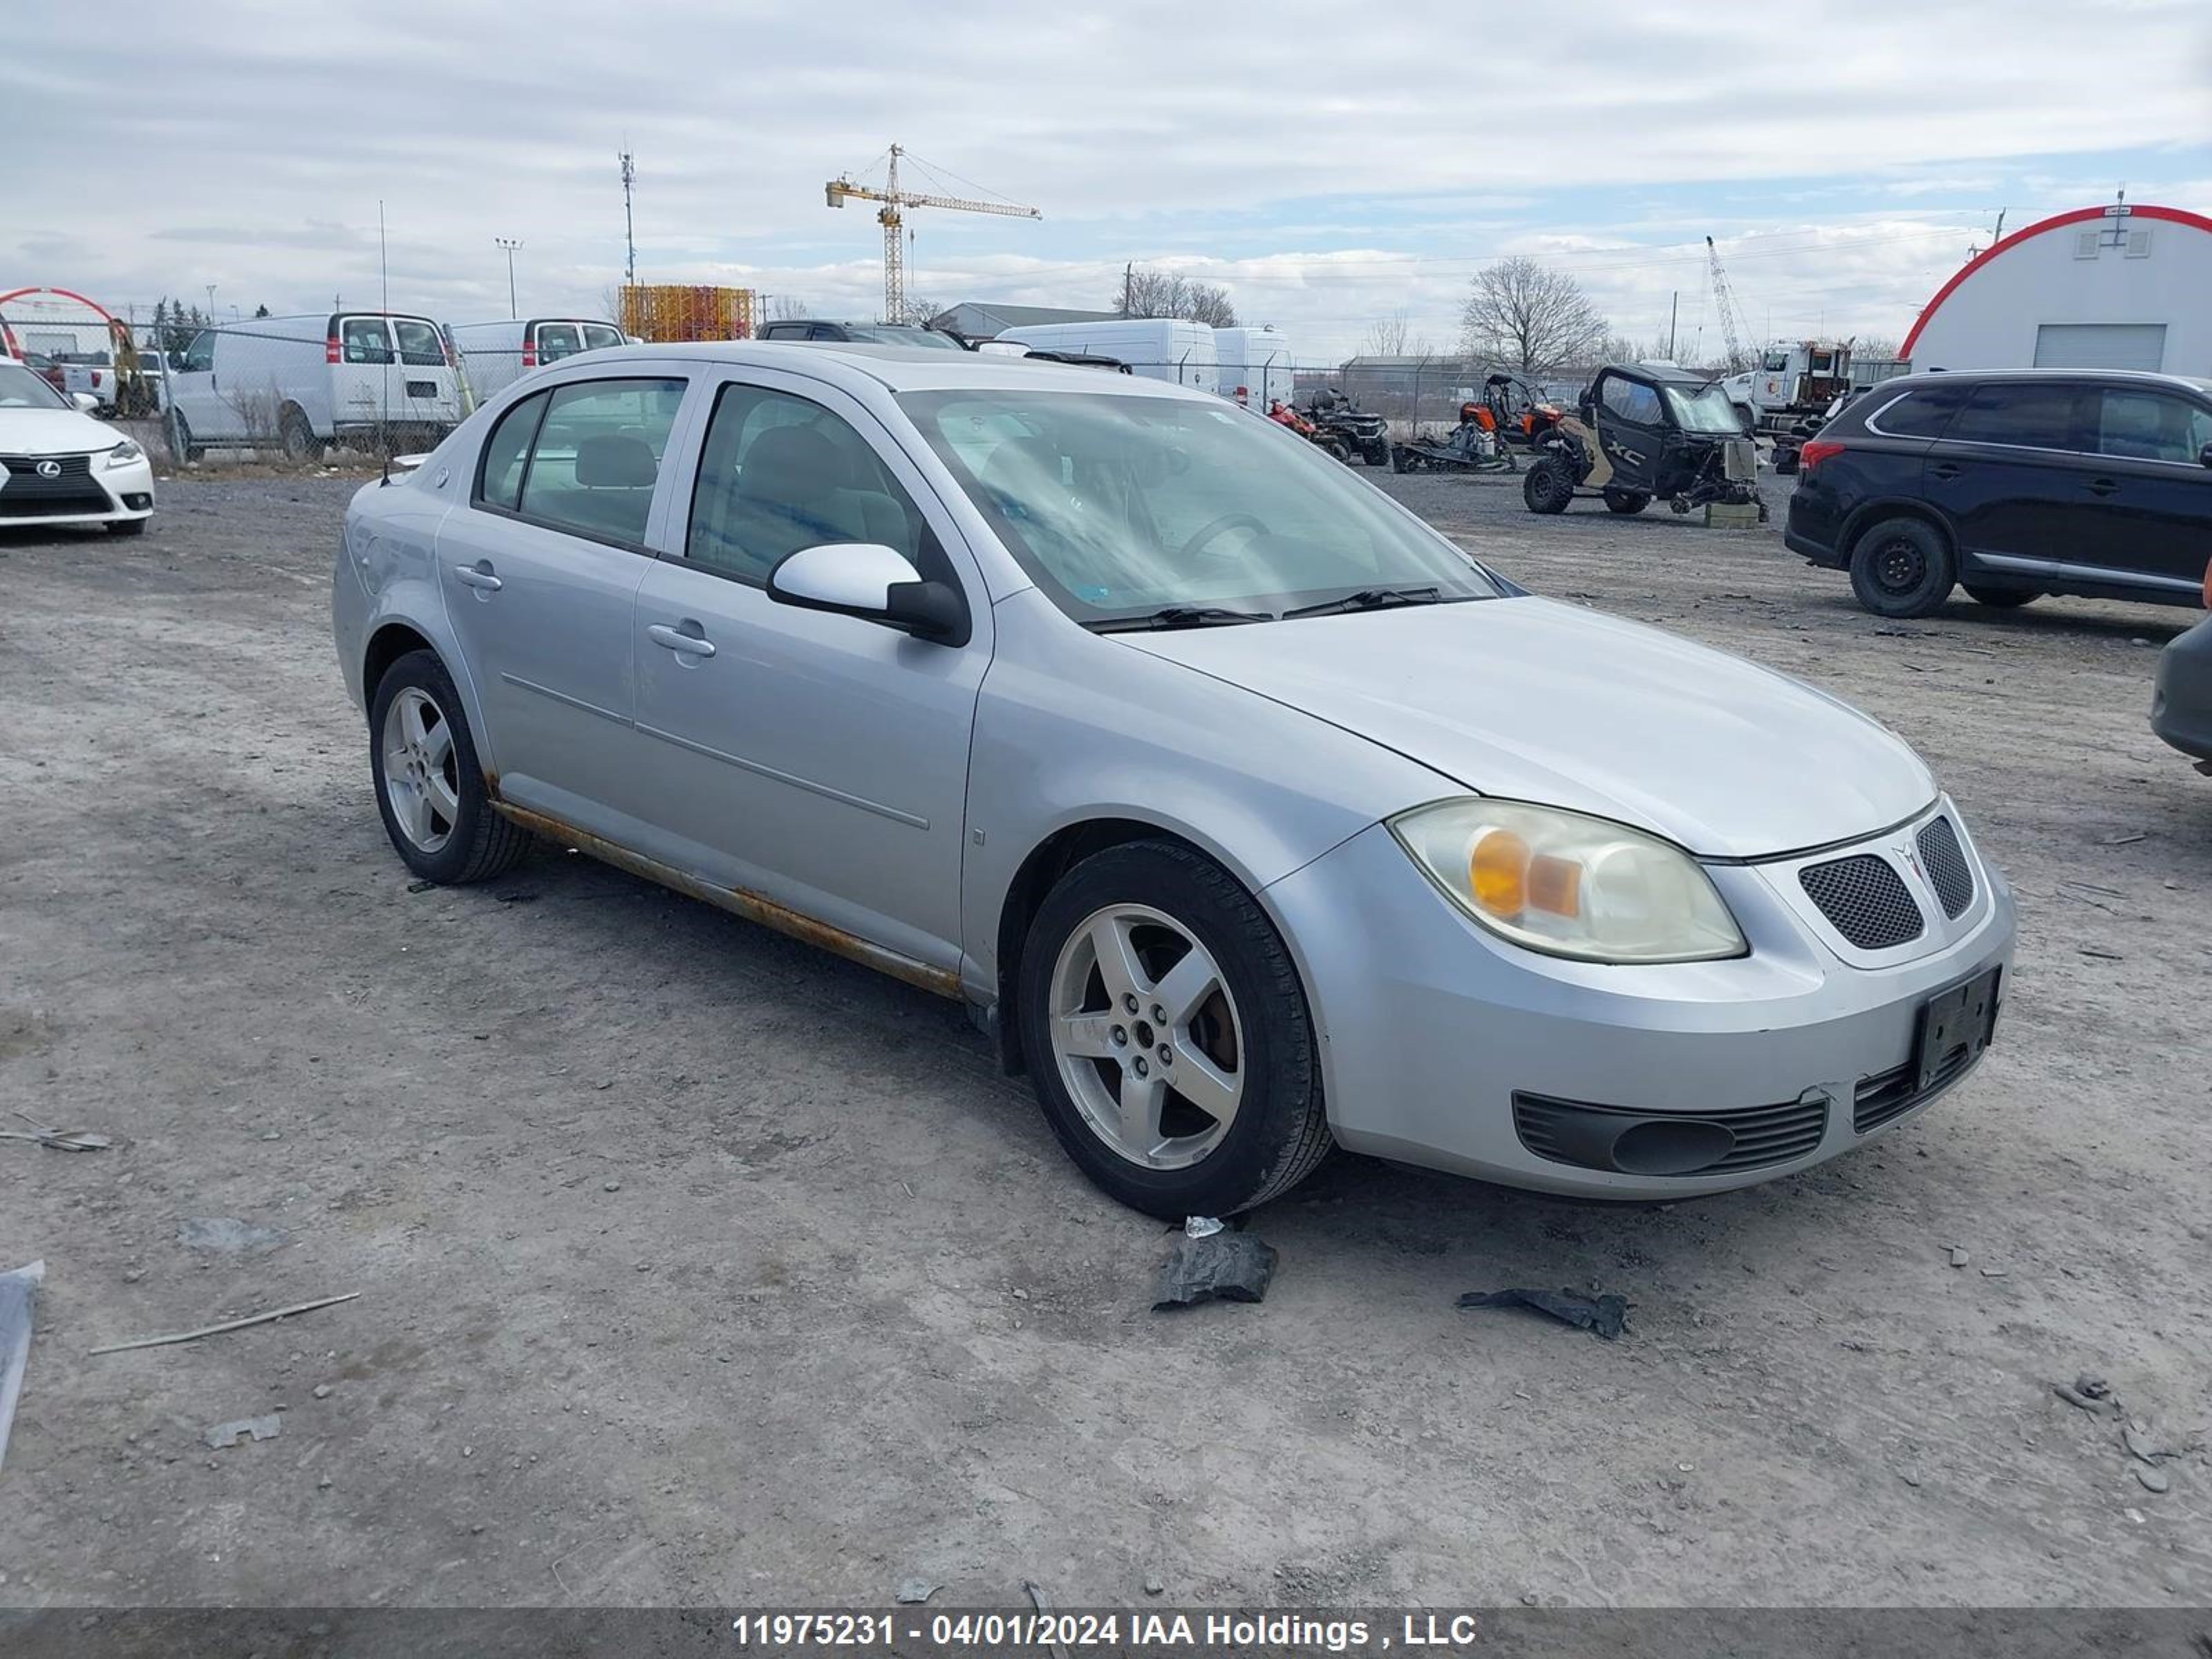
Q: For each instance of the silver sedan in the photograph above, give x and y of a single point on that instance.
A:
(1249, 814)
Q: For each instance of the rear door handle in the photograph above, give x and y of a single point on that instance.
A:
(691, 644)
(2104, 487)
(1944, 470)
(479, 575)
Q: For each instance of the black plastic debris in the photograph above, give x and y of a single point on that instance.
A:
(1215, 1266)
(1603, 1315)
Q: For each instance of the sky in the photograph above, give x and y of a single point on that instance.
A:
(1330, 166)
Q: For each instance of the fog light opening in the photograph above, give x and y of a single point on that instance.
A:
(1672, 1146)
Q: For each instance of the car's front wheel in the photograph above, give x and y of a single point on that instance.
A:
(429, 785)
(1168, 1035)
(1902, 568)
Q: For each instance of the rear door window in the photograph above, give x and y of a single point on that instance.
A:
(2151, 426)
(597, 337)
(557, 341)
(597, 456)
(421, 346)
(2021, 417)
(364, 340)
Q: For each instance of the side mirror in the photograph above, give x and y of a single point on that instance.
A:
(177, 360)
(2204, 455)
(874, 582)
(85, 402)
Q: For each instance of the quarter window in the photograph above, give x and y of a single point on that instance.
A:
(1921, 414)
(2149, 426)
(593, 453)
(2024, 417)
(779, 473)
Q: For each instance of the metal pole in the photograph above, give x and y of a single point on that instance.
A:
(1674, 313)
(509, 244)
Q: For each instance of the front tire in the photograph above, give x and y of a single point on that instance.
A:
(429, 785)
(1167, 1036)
(2002, 598)
(128, 526)
(1902, 568)
(1548, 487)
(189, 450)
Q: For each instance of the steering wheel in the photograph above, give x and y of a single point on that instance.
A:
(1220, 527)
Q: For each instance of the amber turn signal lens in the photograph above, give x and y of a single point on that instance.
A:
(1497, 873)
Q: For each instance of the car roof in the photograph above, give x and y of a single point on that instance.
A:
(905, 368)
(1931, 377)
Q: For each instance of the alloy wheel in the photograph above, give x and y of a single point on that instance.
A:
(1147, 1037)
(422, 777)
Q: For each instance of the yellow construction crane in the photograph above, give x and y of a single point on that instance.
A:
(893, 199)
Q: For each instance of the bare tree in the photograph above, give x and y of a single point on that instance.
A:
(1386, 337)
(1524, 314)
(1874, 348)
(920, 309)
(1166, 294)
(786, 307)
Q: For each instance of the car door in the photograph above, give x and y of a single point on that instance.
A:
(2151, 489)
(363, 389)
(2010, 474)
(816, 760)
(540, 572)
(192, 386)
(1633, 432)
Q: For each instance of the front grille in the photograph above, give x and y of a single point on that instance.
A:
(1764, 1134)
(1888, 1095)
(24, 483)
(1865, 900)
(1947, 869)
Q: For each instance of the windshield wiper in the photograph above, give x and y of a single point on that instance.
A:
(1181, 616)
(1370, 599)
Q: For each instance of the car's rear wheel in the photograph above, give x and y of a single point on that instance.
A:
(1548, 487)
(1626, 500)
(2004, 599)
(298, 438)
(1902, 568)
(429, 785)
(1167, 1036)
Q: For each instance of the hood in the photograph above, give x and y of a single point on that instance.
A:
(1530, 699)
(53, 432)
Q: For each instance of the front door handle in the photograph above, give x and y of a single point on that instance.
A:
(479, 575)
(1944, 470)
(2104, 487)
(691, 643)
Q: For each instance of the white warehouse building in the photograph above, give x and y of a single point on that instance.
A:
(2119, 287)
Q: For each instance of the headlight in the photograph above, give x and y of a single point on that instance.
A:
(124, 453)
(1568, 884)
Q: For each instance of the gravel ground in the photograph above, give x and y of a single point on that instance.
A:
(695, 1267)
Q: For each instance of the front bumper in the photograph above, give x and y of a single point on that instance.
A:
(1430, 1026)
(2181, 697)
(105, 495)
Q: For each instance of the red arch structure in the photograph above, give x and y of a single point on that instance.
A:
(8, 334)
(2027, 233)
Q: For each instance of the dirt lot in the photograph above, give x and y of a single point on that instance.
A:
(695, 1267)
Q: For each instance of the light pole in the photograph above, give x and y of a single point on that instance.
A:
(509, 244)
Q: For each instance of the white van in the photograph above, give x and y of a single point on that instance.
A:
(495, 355)
(1254, 366)
(302, 384)
(1157, 348)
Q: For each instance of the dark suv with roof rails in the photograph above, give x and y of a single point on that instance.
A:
(2013, 484)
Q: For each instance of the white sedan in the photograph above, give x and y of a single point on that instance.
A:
(60, 466)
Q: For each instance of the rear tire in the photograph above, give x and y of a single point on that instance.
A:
(1902, 568)
(1626, 500)
(1210, 983)
(2002, 598)
(1548, 487)
(429, 785)
(298, 438)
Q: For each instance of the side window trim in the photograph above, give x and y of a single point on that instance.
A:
(544, 401)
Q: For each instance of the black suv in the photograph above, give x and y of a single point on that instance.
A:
(2015, 484)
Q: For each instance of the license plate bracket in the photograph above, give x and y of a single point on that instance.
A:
(1955, 1026)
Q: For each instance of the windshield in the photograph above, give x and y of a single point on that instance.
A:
(1705, 410)
(1120, 507)
(900, 334)
(21, 389)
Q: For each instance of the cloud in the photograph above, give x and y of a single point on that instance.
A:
(1329, 172)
